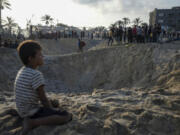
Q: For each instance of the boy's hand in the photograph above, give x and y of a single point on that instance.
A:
(54, 103)
(43, 98)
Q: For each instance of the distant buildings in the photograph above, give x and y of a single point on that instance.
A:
(46, 29)
(168, 18)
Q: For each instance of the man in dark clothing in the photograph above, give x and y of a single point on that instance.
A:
(130, 35)
(81, 44)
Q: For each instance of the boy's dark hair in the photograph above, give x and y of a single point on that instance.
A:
(28, 49)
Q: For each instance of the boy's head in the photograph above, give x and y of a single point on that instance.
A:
(30, 53)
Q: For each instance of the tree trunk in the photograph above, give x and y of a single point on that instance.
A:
(0, 21)
(10, 29)
(0, 15)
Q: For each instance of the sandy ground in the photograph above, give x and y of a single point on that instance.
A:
(110, 112)
(128, 90)
(66, 46)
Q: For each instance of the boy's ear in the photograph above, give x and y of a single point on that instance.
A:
(29, 58)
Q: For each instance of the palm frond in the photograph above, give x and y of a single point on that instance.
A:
(47, 19)
(5, 4)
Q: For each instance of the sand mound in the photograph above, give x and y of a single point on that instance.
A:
(113, 68)
(110, 112)
(129, 90)
(65, 46)
(107, 68)
(9, 66)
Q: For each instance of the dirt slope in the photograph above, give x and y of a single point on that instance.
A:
(128, 90)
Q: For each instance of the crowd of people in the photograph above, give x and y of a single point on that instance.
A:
(141, 34)
(11, 41)
(135, 34)
(68, 34)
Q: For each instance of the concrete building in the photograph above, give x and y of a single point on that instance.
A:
(168, 18)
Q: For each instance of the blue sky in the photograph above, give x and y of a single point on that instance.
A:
(88, 13)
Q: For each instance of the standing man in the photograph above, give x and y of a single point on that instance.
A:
(81, 44)
(110, 40)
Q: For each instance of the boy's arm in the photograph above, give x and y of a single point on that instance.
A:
(43, 98)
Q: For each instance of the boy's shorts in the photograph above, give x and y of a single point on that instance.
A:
(45, 112)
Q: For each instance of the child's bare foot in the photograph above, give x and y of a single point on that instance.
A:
(27, 126)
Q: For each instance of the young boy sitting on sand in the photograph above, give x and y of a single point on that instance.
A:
(29, 90)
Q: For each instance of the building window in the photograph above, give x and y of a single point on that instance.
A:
(160, 21)
(170, 21)
(170, 14)
(161, 14)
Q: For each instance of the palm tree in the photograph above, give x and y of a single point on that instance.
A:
(19, 30)
(3, 4)
(137, 21)
(112, 26)
(126, 21)
(29, 26)
(144, 24)
(10, 24)
(119, 23)
(28, 23)
(47, 19)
